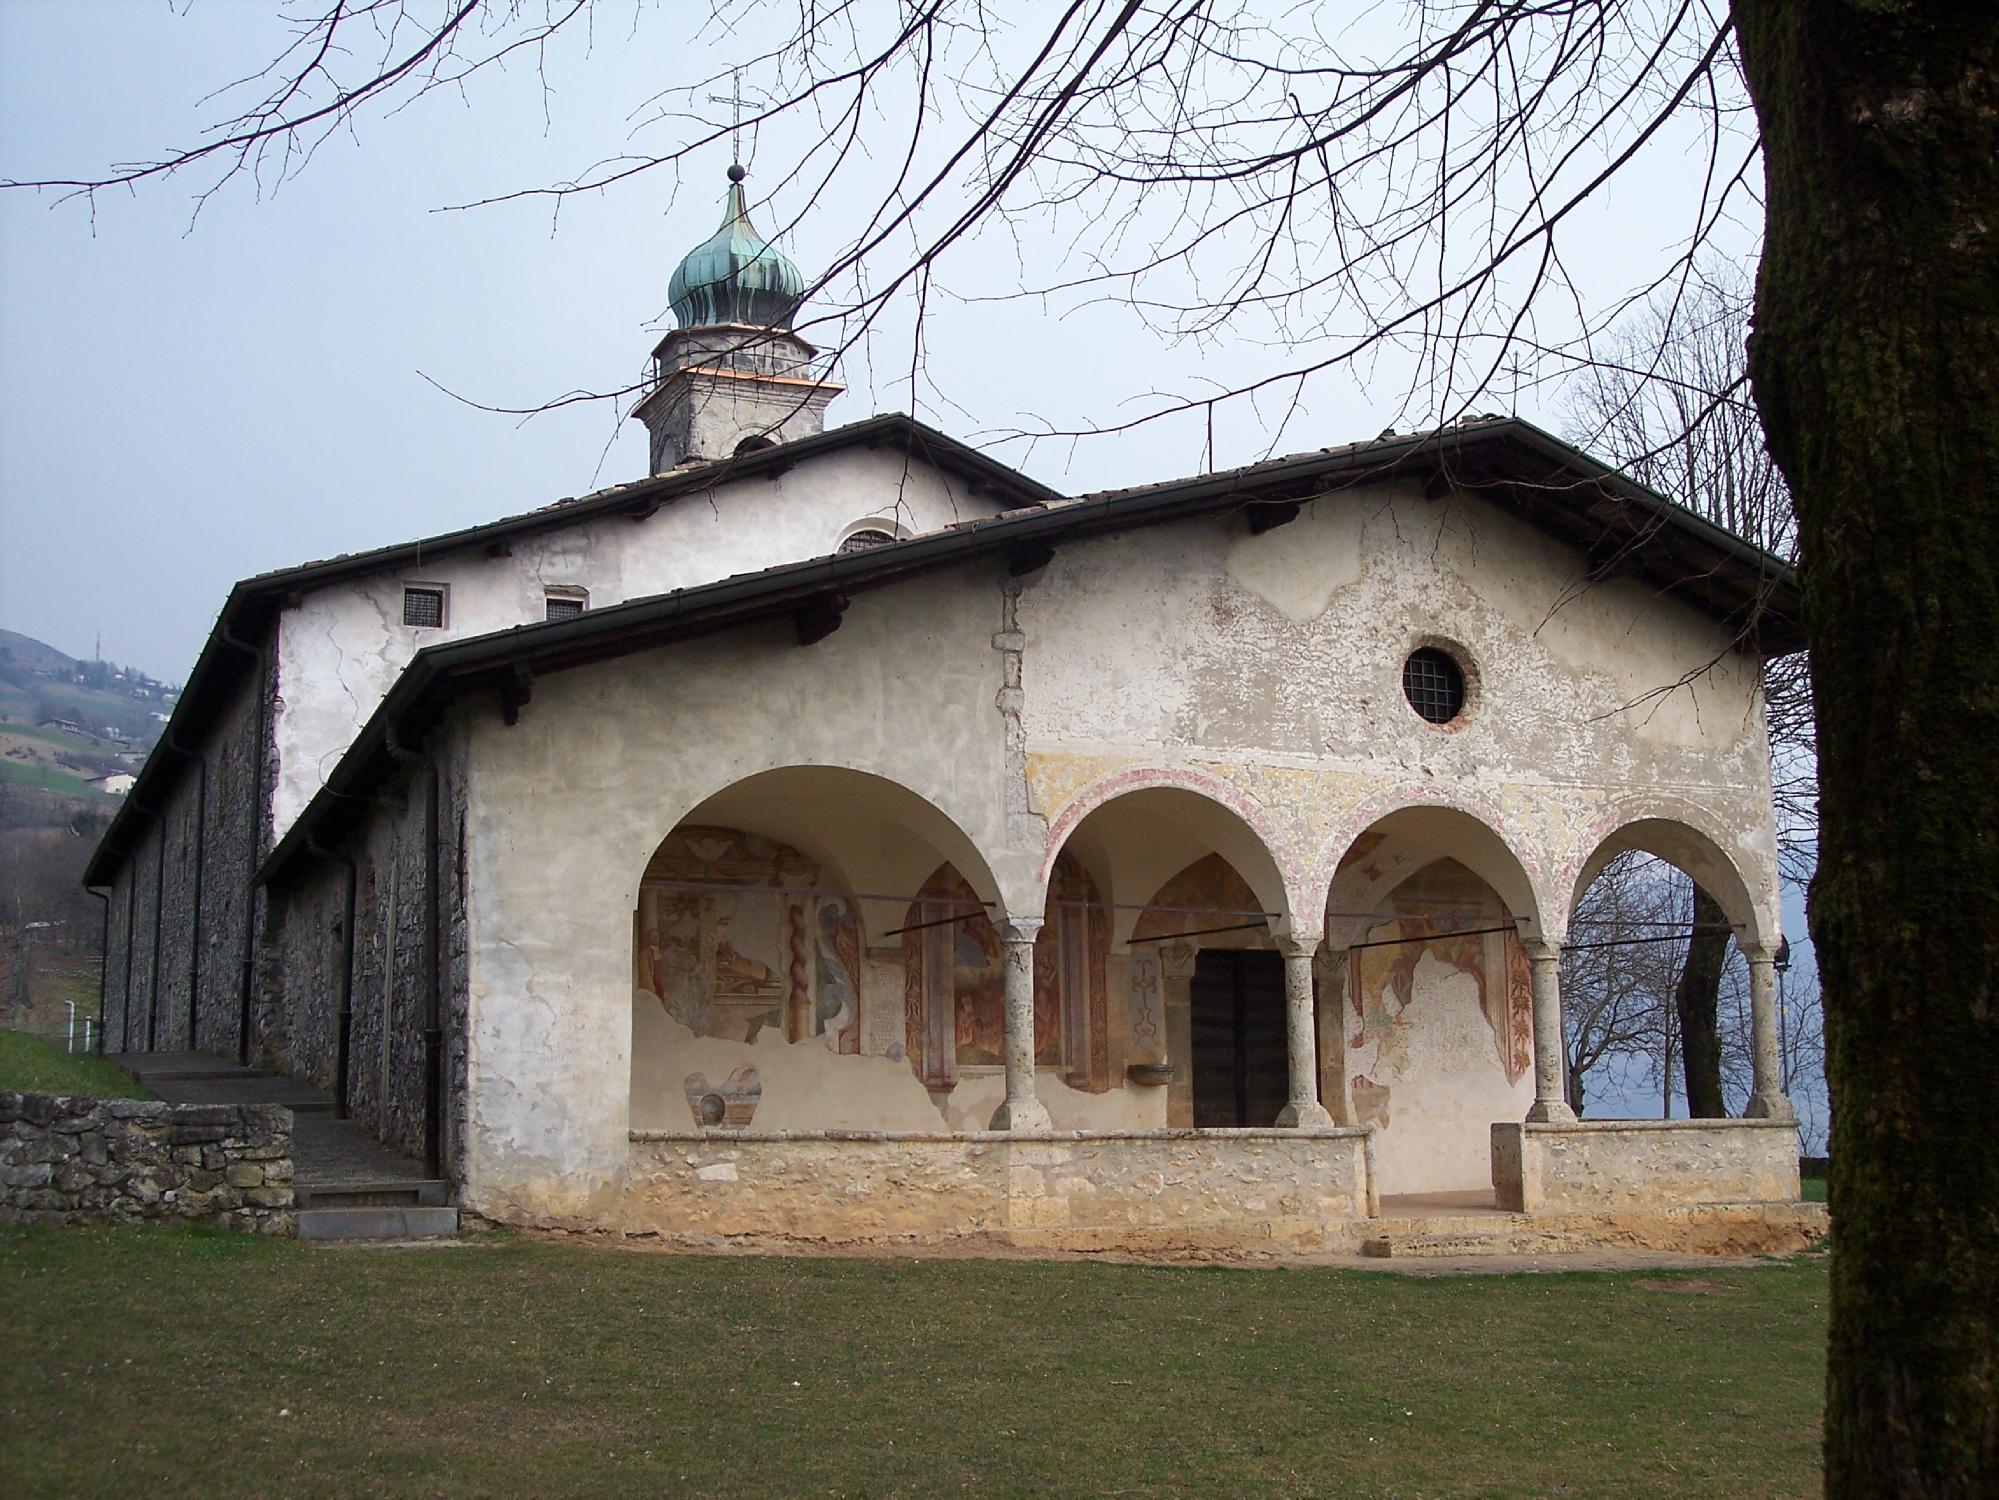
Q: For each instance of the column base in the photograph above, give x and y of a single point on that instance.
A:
(1551, 1112)
(1769, 1107)
(1022, 1117)
(1310, 1115)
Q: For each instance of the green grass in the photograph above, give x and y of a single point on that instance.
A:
(144, 1362)
(33, 1066)
(48, 779)
(1813, 1190)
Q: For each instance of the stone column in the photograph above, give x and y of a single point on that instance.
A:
(1551, 1104)
(1176, 1004)
(1300, 1035)
(1767, 1100)
(1021, 1110)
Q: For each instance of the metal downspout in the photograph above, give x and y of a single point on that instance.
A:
(131, 921)
(262, 656)
(159, 925)
(433, 1009)
(103, 959)
(200, 760)
(344, 1023)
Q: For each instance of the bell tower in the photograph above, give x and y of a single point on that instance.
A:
(732, 375)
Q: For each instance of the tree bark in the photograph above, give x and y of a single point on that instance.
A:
(1697, 999)
(1876, 369)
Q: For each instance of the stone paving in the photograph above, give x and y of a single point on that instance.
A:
(325, 1151)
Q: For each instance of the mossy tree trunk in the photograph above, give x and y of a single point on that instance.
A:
(1876, 368)
(1697, 1000)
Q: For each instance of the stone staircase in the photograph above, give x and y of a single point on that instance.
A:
(347, 1184)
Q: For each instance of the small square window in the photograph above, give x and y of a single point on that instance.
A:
(423, 607)
(563, 607)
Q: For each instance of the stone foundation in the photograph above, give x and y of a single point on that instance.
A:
(1289, 1190)
(1612, 1166)
(72, 1160)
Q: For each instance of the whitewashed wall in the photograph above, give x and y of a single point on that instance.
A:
(341, 648)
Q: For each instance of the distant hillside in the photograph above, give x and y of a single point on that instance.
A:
(64, 722)
(121, 706)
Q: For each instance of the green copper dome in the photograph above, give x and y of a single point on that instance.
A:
(736, 277)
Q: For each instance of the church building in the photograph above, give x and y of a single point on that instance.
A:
(840, 835)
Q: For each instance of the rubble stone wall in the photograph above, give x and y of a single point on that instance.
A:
(1599, 1165)
(1296, 1189)
(66, 1159)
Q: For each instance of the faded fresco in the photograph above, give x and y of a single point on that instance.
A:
(730, 1104)
(954, 988)
(1439, 1030)
(736, 933)
(1207, 894)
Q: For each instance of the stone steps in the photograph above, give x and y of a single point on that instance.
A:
(378, 1222)
(401, 1192)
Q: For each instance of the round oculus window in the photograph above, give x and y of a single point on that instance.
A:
(1434, 684)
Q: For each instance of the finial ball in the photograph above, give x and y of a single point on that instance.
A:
(736, 172)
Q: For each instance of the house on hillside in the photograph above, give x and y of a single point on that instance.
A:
(837, 833)
(118, 783)
(67, 726)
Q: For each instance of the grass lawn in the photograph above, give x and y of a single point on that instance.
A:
(33, 1066)
(158, 1361)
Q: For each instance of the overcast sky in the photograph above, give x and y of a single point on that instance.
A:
(185, 405)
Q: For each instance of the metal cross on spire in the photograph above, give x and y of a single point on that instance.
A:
(735, 100)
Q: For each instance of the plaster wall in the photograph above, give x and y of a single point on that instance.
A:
(342, 647)
(568, 806)
(1271, 667)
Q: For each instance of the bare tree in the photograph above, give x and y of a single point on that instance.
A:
(1413, 184)
(1668, 399)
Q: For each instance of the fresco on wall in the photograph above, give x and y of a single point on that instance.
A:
(735, 933)
(1381, 980)
(728, 1105)
(954, 988)
(1208, 893)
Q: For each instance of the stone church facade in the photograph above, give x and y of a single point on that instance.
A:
(840, 835)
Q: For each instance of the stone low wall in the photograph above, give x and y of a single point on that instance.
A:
(1290, 1190)
(72, 1160)
(1605, 1165)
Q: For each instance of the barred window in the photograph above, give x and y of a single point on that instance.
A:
(862, 540)
(423, 607)
(1434, 684)
(564, 606)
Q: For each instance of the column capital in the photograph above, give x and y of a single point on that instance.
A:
(1019, 929)
(1298, 942)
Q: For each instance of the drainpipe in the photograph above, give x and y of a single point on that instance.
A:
(261, 654)
(131, 921)
(200, 759)
(433, 1009)
(103, 958)
(159, 924)
(344, 1024)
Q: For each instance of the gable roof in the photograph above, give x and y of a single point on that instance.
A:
(231, 653)
(1622, 529)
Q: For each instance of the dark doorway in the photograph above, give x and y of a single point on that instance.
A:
(1241, 1072)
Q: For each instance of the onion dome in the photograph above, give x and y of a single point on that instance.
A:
(737, 276)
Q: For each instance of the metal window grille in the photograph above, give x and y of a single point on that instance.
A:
(861, 541)
(423, 607)
(562, 608)
(1434, 684)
